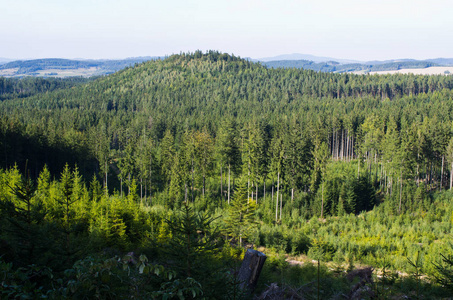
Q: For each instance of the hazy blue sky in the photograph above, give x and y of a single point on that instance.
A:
(353, 29)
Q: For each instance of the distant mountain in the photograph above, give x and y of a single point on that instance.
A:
(442, 61)
(330, 64)
(58, 67)
(336, 67)
(309, 57)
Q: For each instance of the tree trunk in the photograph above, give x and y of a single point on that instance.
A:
(229, 167)
(106, 171)
(221, 184)
(451, 175)
(347, 145)
(150, 180)
(276, 207)
(204, 184)
(322, 199)
(250, 270)
(248, 186)
(264, 190)
(281, 205)
(256, 195)
(272, 197)
(441, 174)
(193, 181)
(401, 190)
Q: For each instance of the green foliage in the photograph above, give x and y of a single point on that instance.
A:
(241, 213)
(444, 272)
(193, 242)
(201, 127)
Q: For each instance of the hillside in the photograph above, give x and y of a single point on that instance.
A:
(336, 67)
(56, 67)
(347, 170)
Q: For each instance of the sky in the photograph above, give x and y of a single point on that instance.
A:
(110, 29)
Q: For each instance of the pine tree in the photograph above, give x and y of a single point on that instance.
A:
(241, 213)
(192, 242)
(26, 227)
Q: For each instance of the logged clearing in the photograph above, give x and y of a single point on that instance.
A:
(425, 71)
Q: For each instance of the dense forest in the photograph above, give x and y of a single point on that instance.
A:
(170, 168)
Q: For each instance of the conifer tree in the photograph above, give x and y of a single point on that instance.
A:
(193, 241)
(241, 213)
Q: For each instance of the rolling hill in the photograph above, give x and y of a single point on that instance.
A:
(58, 67)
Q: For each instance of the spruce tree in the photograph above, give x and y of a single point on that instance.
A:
(241, 213)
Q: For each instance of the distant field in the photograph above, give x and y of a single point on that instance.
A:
(83, 72)
(424, 71)
(9, 72)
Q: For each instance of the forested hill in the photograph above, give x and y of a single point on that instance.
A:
(196, 91)
(58, 67)
(333, 166)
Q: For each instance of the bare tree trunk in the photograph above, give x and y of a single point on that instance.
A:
(333, 143)
(352, 148)
(292, 195)
(264, 190)
(281, 205)
(150, 178)
(322, 199)
(451, 175)
(248, 185)
(278, 187)
(441, 174)
(204, 184)
(185, 192)
(272, 197)
(338, 145)
(106, 171)
(229, 167)
(221, 184)
(256, 201)
(401, 190)
(193, 181)
(347, 145)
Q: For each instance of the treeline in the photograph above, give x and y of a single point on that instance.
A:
(11, 88)
(333, 66)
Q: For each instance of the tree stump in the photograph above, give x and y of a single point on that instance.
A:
(250, 269)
